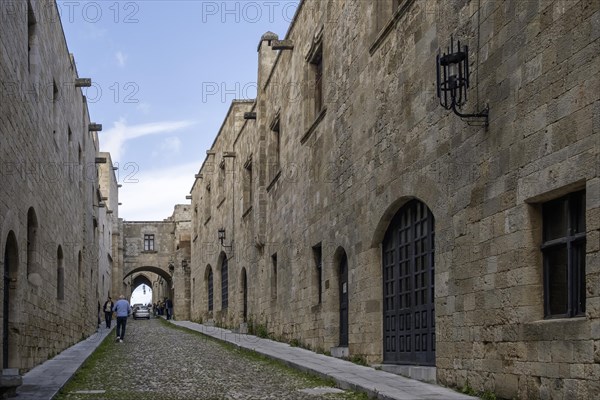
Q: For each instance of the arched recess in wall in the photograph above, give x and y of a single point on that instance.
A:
(208, 279)
(33, 255)
(167, 279)
(340, 262)
(10, 306)
(224, 271)
(80, 266)
(139, 280)
(408, 249)
(244, 294)
(60, 274)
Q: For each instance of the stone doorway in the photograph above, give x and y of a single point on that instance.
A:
(343, 301)
(10, 355)
(408, 287)
(244, 296)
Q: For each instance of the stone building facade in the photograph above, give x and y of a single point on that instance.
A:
(345, 209)
(108, 228)
(49, 195)
(157, 253)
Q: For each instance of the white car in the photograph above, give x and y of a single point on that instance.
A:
(141, 312)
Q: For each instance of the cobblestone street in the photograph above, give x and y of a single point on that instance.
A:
(159, 361)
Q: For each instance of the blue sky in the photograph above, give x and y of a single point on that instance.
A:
(164, 74)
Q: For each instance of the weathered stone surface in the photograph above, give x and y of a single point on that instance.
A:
(380, 139)
(49, 217)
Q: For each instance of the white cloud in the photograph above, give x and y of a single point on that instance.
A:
(114, 139)
(121, 58)
(156, 192)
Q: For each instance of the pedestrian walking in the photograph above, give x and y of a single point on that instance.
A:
(123, 309)
(108, 311)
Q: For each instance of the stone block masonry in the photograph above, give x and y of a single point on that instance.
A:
(49, 197)
(361, 215)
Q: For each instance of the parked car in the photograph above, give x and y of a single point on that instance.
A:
(141, 312)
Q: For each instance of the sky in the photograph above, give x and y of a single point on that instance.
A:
(164, 74)
(139, 297)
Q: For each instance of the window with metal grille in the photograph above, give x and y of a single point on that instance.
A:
(209, 279)
(224, 285)
(563, 249)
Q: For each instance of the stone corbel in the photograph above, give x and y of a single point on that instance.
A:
(93, 127)
(83, 82)
(282, 45)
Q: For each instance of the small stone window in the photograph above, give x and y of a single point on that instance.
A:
(207, 203)
(315, 59)
(248, 186)
(31, 36)
(563, 249)
(274, 159)
(148, 242)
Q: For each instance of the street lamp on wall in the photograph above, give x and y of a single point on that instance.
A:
(222, 238)
(453, 81)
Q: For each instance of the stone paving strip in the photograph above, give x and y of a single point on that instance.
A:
(44, 381)
(160, 361)
(347, 375)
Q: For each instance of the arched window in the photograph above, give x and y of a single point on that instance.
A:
(32, 242)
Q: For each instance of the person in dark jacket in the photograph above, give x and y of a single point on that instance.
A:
(169, 308)
(108, 311)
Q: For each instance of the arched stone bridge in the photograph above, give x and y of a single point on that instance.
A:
(157, 254)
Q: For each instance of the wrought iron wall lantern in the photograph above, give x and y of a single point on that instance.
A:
(453, 82)
(222, 239)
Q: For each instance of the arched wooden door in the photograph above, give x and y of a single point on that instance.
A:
(408, 287)
(11, 264)
(344, 301)
(244, 295)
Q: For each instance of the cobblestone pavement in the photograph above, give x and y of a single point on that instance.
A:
(159, 361)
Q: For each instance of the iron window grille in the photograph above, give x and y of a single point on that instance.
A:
(563, 250)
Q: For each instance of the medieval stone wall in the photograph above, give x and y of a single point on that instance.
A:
(108, 215)
(167, 257)
(48, 189)
(339, 173)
